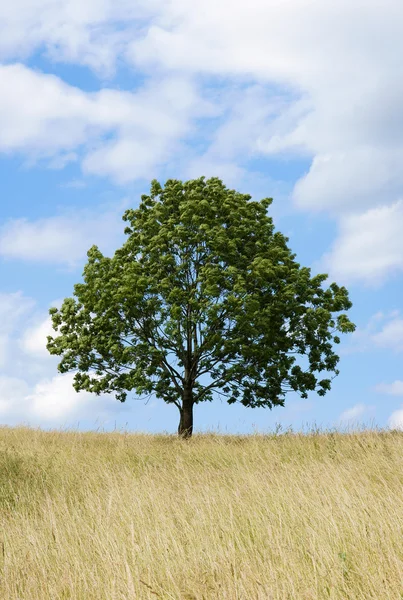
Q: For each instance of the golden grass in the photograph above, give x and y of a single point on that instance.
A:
(108, 516)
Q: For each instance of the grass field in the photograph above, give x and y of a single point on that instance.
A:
(107, 516)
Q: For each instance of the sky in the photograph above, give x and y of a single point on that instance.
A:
(295, 100)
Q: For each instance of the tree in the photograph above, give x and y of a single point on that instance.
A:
(203, 298)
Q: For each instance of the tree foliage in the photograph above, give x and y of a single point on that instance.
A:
(203, 298)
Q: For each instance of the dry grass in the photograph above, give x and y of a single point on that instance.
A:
(117, 516)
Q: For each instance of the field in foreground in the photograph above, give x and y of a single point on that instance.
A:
(108, 516)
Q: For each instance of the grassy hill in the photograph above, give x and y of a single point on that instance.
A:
(114, 516)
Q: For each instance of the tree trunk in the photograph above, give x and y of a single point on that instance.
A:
(185, 428)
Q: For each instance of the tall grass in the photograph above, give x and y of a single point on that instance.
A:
(97, 516)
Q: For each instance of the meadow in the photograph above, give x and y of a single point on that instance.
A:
(119, 516)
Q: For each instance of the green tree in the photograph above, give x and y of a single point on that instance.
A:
(203, 298)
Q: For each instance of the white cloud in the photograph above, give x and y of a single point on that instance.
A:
(21, 328)
(353, 413)
(38, 396)
(369, 246)
(50, 401)
(57, 118)
(64, 239)
(55, 399)
(392, 389)
(13, 308)
(59, 162)
(92, 33)
(337, 69)
(391, 335)
(34, 339)
(341, 68)
(351, 179)
(384, 331)
(396, 419)
(311, 79)
(4, 343)
(119, 134)
(12, 392)
(243, 112)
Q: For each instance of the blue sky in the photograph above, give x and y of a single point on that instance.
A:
(297, 101)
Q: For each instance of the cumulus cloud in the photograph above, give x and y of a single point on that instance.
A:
(343, 105)
(395, 388)
(383, 330)
(345, 100)
(49, 401)
(396, 420)
(91, 34)
(13, 308)
(340, 96)
(34, 339)
(244, 112)
(351, 179)
(12, 392)
(355, 412)
(392, 389)
(55, 399)
(38, 396)
(63, 239)
(308, 79)
(124, 135)
(369, 246)
(22, 327)
(391, 335)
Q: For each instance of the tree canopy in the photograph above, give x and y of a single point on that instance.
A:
(204, 298)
